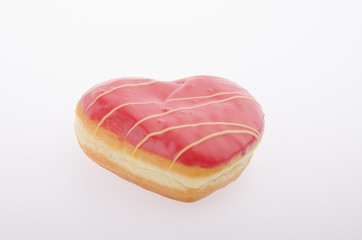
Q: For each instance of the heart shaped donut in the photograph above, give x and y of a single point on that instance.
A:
(182, 139)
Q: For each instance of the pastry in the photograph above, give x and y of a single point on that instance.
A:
(182, 139)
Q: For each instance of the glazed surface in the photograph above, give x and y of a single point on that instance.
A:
(201, 120)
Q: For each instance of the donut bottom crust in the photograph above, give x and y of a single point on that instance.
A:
(153, 172)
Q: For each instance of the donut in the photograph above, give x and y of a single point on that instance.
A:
(182, 139)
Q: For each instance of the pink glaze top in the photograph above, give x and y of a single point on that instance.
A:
(201, 120)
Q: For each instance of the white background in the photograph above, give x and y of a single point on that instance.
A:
(301, 59)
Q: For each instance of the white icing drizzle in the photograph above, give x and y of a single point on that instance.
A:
(145, 139)
(208, 137)
(113, 89)
(185, 108)
(170, 100)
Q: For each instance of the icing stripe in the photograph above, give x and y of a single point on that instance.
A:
(185, 108)
(98, 86)
(208, 137)
(170, 100)
(122, 86)
(115, 109)
(206, 96)
(145, 139)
